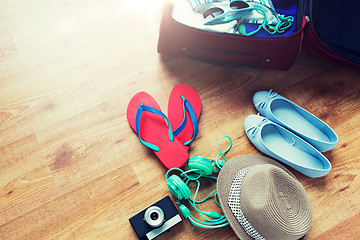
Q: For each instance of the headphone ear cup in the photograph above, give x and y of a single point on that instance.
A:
(201, 163)
(178, 188)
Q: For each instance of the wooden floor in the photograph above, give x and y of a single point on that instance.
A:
(70, 165)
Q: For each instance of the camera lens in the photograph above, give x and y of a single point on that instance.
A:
(154, 216)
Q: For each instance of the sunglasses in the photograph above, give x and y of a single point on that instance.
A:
(226, 12)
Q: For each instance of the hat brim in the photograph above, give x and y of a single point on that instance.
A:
(225, 179)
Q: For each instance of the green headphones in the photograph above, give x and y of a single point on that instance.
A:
(178, 185)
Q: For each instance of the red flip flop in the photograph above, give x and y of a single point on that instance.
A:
(184, 110)
(154, 130)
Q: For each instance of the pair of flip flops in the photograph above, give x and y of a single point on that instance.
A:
(167, 136)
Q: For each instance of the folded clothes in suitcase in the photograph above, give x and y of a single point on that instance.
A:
(260, 33)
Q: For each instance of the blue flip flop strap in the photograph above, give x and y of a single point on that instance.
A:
(139, 112)
(187, 106)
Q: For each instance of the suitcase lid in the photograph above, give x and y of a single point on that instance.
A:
(336, 25)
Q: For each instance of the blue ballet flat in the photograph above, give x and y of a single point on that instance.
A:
(296, 119)
(283, 145)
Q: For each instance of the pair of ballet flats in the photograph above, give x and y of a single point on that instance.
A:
(290, 134)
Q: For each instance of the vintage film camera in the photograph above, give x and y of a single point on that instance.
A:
(156, 219)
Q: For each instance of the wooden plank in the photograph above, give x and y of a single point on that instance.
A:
(26, 180)
(348, 229)
(79, 213)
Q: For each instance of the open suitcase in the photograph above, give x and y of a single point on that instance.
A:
(329, 29)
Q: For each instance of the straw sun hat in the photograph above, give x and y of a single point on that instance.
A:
(263, 200)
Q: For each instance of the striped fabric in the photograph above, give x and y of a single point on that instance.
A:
(195, 3)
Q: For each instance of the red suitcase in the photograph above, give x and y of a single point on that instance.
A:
(329, 29)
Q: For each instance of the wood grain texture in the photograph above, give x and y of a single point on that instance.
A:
(70, 165)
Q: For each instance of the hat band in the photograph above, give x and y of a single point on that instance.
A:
(234, 204)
